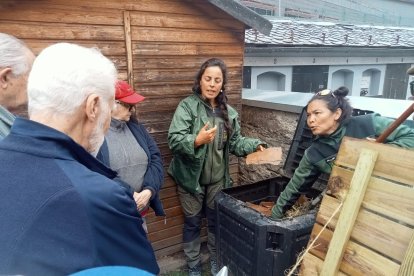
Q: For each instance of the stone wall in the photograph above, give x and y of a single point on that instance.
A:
(275, 127)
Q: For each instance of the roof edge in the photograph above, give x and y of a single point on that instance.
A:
(244, 14)
(298, 50)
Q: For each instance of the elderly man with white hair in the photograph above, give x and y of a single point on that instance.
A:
(60, 210)
(15, 62)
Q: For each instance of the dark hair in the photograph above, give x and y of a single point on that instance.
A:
(334, 100)
(221, 97)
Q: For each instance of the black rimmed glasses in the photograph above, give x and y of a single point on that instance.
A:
(128, 106)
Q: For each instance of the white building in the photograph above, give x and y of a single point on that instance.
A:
(306, 56)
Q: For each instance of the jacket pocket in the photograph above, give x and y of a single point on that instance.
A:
(186, 172)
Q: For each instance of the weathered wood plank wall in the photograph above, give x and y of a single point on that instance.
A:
(158, 45)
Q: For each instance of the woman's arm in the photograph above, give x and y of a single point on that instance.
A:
(180, 135)
(240, 145)
(402, 136)
(154, 176)
(303, 178)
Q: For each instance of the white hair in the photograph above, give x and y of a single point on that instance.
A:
(64, 75)
(14, 54)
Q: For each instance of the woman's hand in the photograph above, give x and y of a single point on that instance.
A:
(260, 148)
(142, 198)
(205, 136)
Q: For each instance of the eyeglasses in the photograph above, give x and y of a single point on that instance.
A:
(325, 92)
(130, 107)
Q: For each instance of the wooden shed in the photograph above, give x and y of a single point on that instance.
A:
(158, 46)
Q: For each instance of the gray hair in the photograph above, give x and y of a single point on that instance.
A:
(64, 75)
(14, 54)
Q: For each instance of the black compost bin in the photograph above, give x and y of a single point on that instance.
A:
(249, 243)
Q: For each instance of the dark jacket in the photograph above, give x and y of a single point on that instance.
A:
(60, 210)
(154, 176)
(320, 156)
(187, 163)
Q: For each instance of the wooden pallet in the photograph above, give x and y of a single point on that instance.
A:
(372, 234)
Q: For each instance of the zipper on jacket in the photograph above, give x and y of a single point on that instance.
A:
(211, 152)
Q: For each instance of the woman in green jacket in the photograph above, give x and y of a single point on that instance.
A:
(203, 131)
(329, 118)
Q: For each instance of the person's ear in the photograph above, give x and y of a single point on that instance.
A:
(338, 114)
(92, 107)
(4, 77)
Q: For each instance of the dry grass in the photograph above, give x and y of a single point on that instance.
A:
(301, 207)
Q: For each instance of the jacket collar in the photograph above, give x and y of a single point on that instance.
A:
(117, 125)
(6, 121)
(203, 101)
(37, 139)
(231, 112)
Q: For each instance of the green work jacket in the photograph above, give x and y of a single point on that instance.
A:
(187, 163)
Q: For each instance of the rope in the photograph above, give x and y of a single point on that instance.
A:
(314, 240)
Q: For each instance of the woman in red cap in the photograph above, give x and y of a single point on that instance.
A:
(131, 152)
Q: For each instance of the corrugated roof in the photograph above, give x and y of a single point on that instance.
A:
(302, 33)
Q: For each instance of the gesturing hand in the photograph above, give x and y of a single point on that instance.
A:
(205, 136)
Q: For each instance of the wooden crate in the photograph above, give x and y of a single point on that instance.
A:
(371, 188)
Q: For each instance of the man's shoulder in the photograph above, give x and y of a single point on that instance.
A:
(87, 180)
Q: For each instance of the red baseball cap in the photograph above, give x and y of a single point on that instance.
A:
(125, 93)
